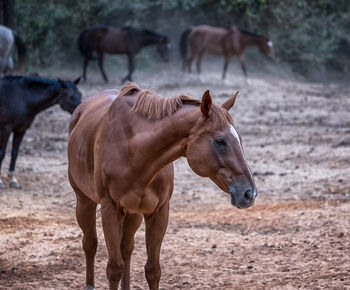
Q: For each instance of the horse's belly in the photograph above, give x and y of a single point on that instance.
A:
(215, 50)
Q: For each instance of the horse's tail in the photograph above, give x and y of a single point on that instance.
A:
(183, 44)
(83, 47)
(21, 50)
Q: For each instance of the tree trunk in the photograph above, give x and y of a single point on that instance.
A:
(8, 13)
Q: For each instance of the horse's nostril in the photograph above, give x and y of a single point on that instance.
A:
(248, 195)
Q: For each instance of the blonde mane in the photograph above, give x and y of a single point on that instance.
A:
(129, 89)
(152, 107)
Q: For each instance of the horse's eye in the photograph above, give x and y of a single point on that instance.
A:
(220, 142)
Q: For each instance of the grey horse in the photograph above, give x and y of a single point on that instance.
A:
(9, 39)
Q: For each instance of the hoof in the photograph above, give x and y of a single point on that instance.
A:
(126, 79)
(88, 287)
(15, 185)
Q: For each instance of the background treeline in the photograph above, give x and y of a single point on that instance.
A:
(308, 35)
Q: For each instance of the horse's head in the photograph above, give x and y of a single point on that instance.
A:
(266, 47)
(163, 48)
(69, 96)
(215, 150)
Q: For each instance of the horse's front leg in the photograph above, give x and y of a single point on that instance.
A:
(131, 68)
(241, 61)
(156, 225)
(112, 220)
(17, 139)
(227, 60)
(4, 137)
(130, 225)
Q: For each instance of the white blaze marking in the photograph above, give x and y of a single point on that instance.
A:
(270, 44)
(235, 134)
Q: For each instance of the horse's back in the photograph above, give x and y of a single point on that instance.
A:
(94, 106)
(114, 42)
(209, 29)
(89, 39)
(90, 113)
(6, 33)
(207, 38)
(215, 40)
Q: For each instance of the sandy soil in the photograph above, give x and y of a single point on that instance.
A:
(297, 138)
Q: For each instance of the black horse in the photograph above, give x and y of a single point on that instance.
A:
(21, 99)
(128, 40)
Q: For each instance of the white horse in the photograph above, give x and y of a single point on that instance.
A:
(8, 40)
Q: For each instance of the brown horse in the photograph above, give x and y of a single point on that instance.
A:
(121, 148)
(228, 42)
(127, 40)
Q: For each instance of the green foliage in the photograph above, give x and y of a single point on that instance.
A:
(309, 35)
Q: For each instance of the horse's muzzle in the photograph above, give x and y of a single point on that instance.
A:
(242, 196)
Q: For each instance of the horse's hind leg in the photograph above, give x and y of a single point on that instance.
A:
(86, 62)
(3, 66)
(199, 61)
(189, 62)
(184, 64)
(86, 217)
(17, 139)
(130, 225)
(156, 225)
(4, 137)
(100, 64)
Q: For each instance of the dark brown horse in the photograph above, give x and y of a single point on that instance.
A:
(228, 42)
(128, 40)
(120, 150)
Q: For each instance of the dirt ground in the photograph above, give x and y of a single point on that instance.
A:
(297, 139)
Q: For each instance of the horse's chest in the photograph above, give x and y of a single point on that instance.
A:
(135, 203)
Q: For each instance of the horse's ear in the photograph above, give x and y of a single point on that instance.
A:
(62, 83)
(77, 80)
(230, 102)
(206, 104)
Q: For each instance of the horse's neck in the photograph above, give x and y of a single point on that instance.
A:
(162, 143)
(41, 100)
(249, 40)
(148, 40)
